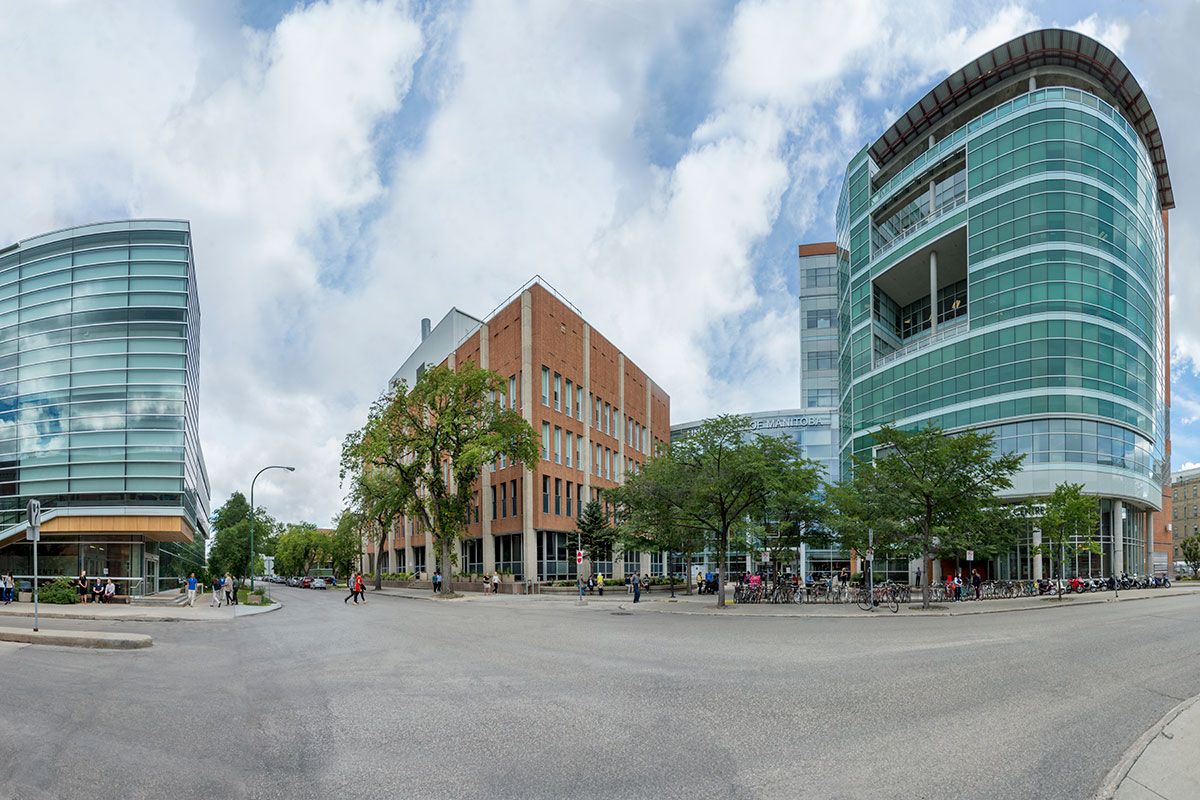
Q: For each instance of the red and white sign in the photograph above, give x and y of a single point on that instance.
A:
(578, 556)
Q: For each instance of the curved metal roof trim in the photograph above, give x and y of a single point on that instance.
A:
(1048, 47)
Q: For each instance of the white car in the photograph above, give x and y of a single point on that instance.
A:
(318, 583)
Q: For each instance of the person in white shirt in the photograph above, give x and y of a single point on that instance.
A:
(495, 583)
(110, 591)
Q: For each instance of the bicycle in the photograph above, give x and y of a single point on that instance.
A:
(885, 595)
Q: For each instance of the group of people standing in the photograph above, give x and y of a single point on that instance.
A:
(955, 584)
(99, 592)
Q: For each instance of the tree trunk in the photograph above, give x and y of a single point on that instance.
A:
(723, 542)
(379, 572)
(670, 574)
(925, 578)
(688, 577)
(446, 571)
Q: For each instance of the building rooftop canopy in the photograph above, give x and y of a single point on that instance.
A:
(1050, 47)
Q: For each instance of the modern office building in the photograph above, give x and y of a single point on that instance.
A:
(1003, 266)
(99, 392)
(597, 413)
(1185, 508)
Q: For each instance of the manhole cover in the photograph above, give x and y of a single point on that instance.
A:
(621, 613)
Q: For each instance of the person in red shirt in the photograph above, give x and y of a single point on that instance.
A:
(361, 591)
(354, 583)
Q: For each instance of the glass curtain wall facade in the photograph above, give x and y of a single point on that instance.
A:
(99, 393)
(1003, 269)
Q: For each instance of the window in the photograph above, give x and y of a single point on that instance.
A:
(493, 502)
(557, 392)
(513, 491)
(821, 397)
(820, 278)
(598, 464)
(570, 436)
(578, 499)
(607, 418)
(596, 425)
(822, 359)
(615, 414)
(579, 452)
(820, 318)
(568, 398)
(546, 440)
(545, 386)
(475, 501)
(557, 445)
(503, 500)
(579, 403)
(569, 487)
(545, 494)
(558, 495)
(608, 463)
(512, 392)
(1194, 490)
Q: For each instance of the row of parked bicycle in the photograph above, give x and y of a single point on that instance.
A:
(835, 592)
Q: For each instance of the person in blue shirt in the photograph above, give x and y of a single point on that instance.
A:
(191, 586)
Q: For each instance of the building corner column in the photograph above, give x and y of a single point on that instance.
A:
(1118, 538)
(528, 537)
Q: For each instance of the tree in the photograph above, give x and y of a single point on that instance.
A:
(1069, 521)
(595, 535)
(377, 499)
(922, 486)
(346, 545)
(298, 547)
(231, 544)
(649, 524)
(1189, 548)
(429, 446)
(713, 481)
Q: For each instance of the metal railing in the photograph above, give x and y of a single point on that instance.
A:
(946, 330)
(918, 226)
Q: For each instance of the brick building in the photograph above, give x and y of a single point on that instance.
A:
(597, 415)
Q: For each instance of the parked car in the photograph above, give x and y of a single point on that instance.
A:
(293, 581)
(318, 583)
(306, 582)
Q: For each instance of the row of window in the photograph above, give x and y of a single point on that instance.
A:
(573, 490)
(603, 463)
(501, 510)
(605, 418)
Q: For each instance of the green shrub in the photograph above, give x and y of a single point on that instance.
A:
(61, 591)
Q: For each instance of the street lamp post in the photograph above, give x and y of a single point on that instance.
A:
(260, 472)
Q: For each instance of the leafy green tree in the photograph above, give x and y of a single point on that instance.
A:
(231, 543)
(346, 545)
(376, 500)
(713, 481)
(1069, 521)
(430, 444)
(298, 547)
(1189, 548)
(923, 486)
(649, 524)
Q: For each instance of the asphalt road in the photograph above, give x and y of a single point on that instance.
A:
(511, 697)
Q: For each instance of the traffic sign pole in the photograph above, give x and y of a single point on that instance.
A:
(33, 512)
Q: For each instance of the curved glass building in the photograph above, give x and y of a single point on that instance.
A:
(1002, 266)
(99, 389)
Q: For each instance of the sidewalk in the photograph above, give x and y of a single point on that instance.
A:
(202, 611)
(106, 641)
(1162, 764)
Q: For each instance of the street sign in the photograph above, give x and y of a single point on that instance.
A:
(970, 555)
(33, 513)
(578, 556)
(870, 554)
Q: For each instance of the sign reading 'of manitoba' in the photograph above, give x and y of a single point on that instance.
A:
(788, 422)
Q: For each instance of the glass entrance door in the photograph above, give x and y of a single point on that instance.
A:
(151, 573)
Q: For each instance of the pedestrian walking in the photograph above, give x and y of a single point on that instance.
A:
(976, 582)
(918, 576)
(495, 583)
(191, 590)
(637, 587)
(216, 591)
(236, 585)
(362, 590)
(229, 590)
(8, 588)
(600, 583)
(353, 590)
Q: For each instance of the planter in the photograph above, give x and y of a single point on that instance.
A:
(254, 600)
(506, 578)
(24, 597)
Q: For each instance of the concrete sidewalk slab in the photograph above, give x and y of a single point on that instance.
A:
(106, 641)
(1162, 763)
(203, 611)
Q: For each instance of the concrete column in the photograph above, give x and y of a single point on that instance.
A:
(589, 414)
(932, 197)
(528, 542)
(803, 560)
(1037, 557)
(1118, 535)
(932, 141)
(1032, 83)
(485, 478)
(619, 472)
(933, 287)
(1148, 517)
(407, 526)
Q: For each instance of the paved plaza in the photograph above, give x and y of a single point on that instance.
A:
(520, 697)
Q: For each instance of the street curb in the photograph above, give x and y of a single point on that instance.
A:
(255, 610)
(102, 641)
(102, 618)
(1117, 774)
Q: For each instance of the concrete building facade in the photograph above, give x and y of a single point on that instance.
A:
(598, 416)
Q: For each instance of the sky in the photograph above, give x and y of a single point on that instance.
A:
(351, 166)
